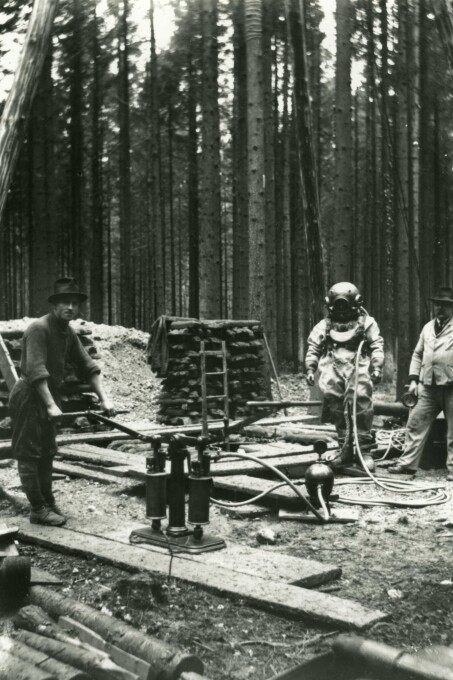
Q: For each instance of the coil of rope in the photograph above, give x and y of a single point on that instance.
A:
(396, 486)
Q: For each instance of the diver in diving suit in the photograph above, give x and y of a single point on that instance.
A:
(332, 348)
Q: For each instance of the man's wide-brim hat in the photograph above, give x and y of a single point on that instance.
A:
(64, 287)
(443, 294)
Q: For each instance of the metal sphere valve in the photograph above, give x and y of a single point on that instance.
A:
(319, 478)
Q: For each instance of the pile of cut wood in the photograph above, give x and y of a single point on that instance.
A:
(248, 374)
(58, 638)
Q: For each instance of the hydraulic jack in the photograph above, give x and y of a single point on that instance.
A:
(177, 537)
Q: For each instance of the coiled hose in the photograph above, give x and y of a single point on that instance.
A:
(399, 486)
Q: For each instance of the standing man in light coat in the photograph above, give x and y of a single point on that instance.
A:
(431, 379)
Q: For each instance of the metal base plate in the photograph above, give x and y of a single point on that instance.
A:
(186, 544)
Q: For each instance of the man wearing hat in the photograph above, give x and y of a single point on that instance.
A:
(47, 344)
(431, 380)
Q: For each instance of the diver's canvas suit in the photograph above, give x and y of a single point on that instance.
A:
(332, 348)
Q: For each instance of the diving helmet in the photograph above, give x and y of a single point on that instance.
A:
(344, 301)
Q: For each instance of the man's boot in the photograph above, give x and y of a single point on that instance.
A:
(45, 466)
(40, 513)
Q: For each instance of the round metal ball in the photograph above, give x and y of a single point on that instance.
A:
(319, 474)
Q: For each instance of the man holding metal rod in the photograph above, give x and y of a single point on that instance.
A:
(333, 345)
(431, 383)
(47, 344)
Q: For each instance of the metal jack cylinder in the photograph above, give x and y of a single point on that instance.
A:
(177, 511)
(199, 495)
(156, 495)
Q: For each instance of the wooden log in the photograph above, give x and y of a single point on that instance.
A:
(14, 668)
(213, 324)
(124, 659)
(97, 666)
(166, 662)
(43, 661)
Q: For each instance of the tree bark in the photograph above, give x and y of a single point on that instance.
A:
(18, 104)
(307, 165)
(240, 180)
(210, 263)
(166, 661)
(32, 656)
(341, 250)
(255, 161)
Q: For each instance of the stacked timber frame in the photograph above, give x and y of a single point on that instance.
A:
(174, 353)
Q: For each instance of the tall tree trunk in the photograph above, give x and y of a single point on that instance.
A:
(342, 236)
(210, 206)
(402, 201)
(256, 162)
(158, 253)
(414, 167)
(192, 178)
(76, 146)
(124, 166)
(269, 171)
(240, 179)
(97, 203)
(307, 166)
(43, 251)
(388, 241)
(372, 290)
(20, 98)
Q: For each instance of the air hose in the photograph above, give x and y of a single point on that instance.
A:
(282, 476)
(400, 486)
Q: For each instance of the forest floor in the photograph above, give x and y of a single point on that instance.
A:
(397, 560)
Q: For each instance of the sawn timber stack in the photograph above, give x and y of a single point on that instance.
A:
(173, 353)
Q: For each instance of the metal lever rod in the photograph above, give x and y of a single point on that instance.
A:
(281, 404)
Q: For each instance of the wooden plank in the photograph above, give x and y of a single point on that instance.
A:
(255, 485)
(267, 563)
(280, 598)
(293, 466)
(80, 472)
(7, 367)
(96, 455)
(43, 578)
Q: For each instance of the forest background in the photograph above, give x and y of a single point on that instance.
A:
(238, 170)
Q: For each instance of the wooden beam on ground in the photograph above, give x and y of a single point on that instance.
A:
(293, 465)
(97, 455)
(252, 486)
(247, 560)
(280, 598)
(79, 472)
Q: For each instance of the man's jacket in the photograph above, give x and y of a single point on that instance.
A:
(433, 355)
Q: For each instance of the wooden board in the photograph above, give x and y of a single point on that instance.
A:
(80, 472)
(266, 562)
(293, 465)
(97, 455)
(280, 598)
(253, 486)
